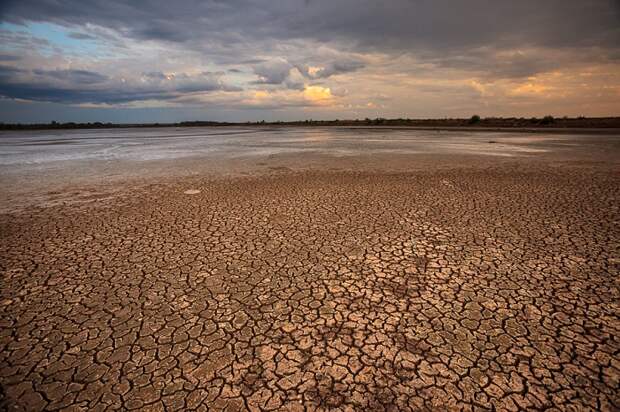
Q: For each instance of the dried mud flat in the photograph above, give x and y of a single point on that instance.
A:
(470, 288)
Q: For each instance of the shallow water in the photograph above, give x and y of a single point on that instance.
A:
(102, 153)
(40, 149)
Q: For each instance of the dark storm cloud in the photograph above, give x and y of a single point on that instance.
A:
(9, 57)
(449, 24)
(82, 86)
(117, 95)
(394, 24)
(6, 71)
(157, 30)
(49, 93)
(80, 77)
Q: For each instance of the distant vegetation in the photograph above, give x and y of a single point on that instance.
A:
(474, 121)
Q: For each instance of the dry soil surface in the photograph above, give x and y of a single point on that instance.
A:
(466, 288)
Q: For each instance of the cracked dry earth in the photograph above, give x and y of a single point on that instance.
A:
(457, 289)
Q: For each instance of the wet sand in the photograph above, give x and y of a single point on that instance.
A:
(421, 281)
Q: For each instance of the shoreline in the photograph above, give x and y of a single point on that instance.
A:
(571, 125)
(39, 189)
(541, 130)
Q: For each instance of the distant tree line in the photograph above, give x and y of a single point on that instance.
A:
(473, 121)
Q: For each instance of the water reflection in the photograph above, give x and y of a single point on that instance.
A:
(38, 148)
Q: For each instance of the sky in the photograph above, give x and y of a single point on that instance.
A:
(131, 61)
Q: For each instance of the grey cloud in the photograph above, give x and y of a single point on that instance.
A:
(9, 57)
(446, 31)
(273, 72)
(451, 25)
(162, 31)
(154, 75)
(73, 76)
(397, 24)
(251, 61)
(21, 41)
(485, 63)
(82, 86)
(331, 68)
(340, 67)
(9, 70)
(48, 93)
(278, 71)
(81, 36)
(294, 85)
(493, 63)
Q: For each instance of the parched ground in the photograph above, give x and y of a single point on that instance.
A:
(472, 288)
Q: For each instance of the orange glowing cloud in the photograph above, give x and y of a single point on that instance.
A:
(261, 94)
(318, 94)
(530, 89)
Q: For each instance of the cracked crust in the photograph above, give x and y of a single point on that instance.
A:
(464, 289)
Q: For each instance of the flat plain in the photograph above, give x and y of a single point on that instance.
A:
(286, 281)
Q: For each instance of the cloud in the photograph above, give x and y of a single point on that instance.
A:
(73, 86)
(331, 68)
(318, 94)
(81, 77)
(166, 31)
(9, 57)
(7, 71)
(310, 96)
(81, 36)
(273, 72)
(530, 88)
(453, 54)
(400, 25)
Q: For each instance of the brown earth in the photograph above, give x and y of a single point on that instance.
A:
(490, 287)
